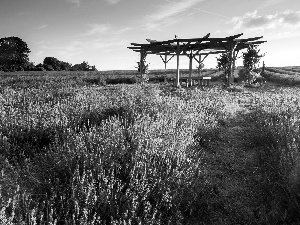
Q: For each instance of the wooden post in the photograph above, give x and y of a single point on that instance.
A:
(199, 71)
(232, 63)
(230, 69)
(177, 72)
(165, 78)
(141, 64)
(233, 68)
(190, 68)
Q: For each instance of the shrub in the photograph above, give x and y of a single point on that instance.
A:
(277, 145)
(135, 157)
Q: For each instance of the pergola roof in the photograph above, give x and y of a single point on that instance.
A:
(195, 45)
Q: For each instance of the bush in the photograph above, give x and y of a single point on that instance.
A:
(277, 145)
(130, 155)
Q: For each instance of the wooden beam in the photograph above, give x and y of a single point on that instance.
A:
(234, 36)
(248, 39)
(151, 41)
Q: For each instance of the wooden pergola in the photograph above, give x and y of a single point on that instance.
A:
(193, 47)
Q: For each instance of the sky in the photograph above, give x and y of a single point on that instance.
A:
(99, 31)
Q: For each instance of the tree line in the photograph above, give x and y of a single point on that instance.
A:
(14, 56)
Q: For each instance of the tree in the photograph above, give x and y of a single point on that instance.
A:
(65, 66)
(29, 66)
(84, 66)
(39, 67)
(225, 62)
(51, 63)
(251, 59)
(13, 54)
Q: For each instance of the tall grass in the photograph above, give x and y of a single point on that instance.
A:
(83, 155)
(277, 118)
(76, 153)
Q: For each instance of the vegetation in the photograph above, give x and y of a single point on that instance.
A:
(13, 54)
(224, 63)
(143, 68)
(251, 59)
(283, 75)
(79, 153)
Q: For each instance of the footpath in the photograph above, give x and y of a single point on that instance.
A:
(234, 173)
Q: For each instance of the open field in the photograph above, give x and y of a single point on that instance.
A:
(284, 75)
(80, 152)
(101, 77)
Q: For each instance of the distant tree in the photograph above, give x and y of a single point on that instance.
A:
(65, 66)
(76, 67)
(13, 54)
(94, 68)
(40, 67)
(51, 63)
(48, 67)
(30, 67)
(84, 66)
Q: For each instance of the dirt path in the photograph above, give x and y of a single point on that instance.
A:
(234, 172)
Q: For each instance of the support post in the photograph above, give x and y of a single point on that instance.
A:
(233, 69)
(165, 78)
(230, 68)
(141, 64)
(199, 70)
(190, 68)
(232, 63)
(177, 71)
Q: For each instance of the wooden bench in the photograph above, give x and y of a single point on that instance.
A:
(202, 81)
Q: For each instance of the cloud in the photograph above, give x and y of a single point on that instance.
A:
(22, 13)
(76, 2)
(170, 13)
(113, 2)
(95, 28)
(269, 3)
(212, 13)
(39, 53)
(286, 19)
(43, 26)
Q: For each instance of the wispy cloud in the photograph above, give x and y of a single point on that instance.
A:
(43, 26)
(250, 21)
(95, 28)
(76, 2)
(113, 2)
(39, 53)
(269, 3)
(212, 13)
(169, 13)
(22, 13)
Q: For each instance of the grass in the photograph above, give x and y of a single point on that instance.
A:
(78, 151)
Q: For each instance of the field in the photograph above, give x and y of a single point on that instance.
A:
(96, 148)
(286, 75)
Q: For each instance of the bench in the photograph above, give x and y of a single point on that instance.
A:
(202, 81)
